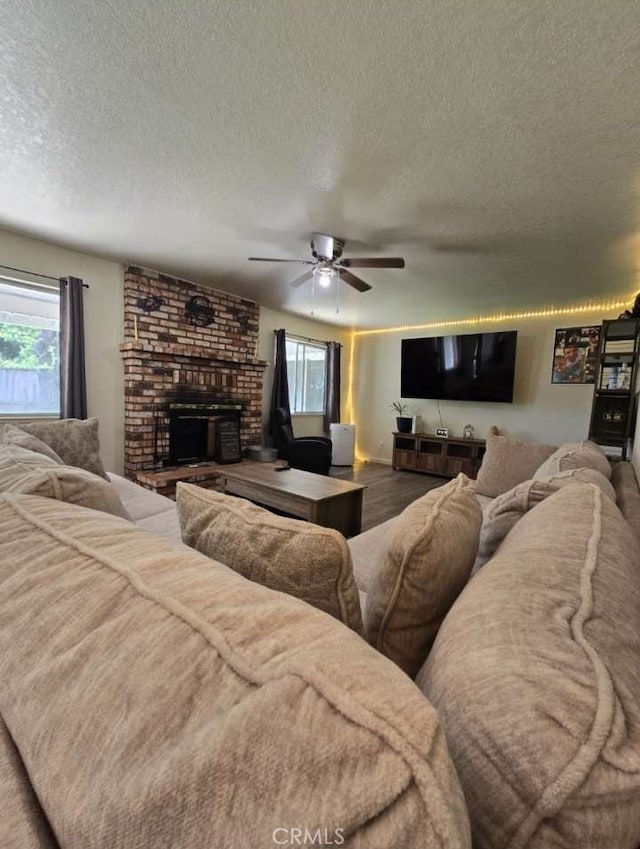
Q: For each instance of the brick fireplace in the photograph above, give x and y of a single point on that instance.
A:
(170, 352)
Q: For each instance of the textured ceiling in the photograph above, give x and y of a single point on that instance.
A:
(493, 144)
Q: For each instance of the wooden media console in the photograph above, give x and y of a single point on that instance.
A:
(437, 455)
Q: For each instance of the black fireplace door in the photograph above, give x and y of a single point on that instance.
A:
(191, 438)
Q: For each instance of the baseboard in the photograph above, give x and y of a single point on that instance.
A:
(384, 460)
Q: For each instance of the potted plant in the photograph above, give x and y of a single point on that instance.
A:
(403, 423)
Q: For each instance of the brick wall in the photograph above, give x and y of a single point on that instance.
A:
(171, 357)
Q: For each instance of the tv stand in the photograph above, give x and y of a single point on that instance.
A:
(436, 455)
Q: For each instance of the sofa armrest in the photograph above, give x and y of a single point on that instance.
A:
(625, 484)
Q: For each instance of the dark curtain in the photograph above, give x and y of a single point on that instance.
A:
(73, 384)
(332, 386)
(280, 390)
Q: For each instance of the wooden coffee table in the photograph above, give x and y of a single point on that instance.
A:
(325, 501)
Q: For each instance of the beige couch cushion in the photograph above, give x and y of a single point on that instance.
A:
(75, 441)
(574, 455)
(304, 560)
(16, 436)
(625, 483)
(508, 462)
(426, 559)
(23, 824)
(535, 675)
(581, 474)
(69, 483)
(507, 509)
(160, 699)
(148, 509)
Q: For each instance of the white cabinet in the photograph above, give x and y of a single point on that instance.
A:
(343, 438)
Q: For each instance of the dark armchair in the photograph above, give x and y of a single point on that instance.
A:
(309, 453)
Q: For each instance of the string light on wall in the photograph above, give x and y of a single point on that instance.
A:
(349, 402)
(603, 306)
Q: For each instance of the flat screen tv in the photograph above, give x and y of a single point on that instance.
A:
(466, 367)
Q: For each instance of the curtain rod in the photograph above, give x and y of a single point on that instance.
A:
(36, 274)
(307, 339)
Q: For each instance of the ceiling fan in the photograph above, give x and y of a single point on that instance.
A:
(328, 263)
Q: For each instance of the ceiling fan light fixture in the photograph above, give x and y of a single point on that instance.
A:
(327, 253)
(324, 275)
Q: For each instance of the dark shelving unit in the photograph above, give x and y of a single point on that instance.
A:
(615, 398)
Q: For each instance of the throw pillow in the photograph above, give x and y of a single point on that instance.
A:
(508, 462)
(535, 675)
(16, 436)
(16, 462)
(295, 557)
(507, 509)
(424, 564)
(73, 485)
(76, 441)
(583, 474)
(574, 455)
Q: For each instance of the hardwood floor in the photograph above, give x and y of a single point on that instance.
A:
(388, 492)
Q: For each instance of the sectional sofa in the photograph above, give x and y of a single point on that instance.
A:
(153, 696)
(534, 671)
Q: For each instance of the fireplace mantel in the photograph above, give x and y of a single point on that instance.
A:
(190, 352)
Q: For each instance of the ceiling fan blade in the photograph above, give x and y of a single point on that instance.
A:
(373, 262)
(272, 259)
(352, 280)
(303, 278)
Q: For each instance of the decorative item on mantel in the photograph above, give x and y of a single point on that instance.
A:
(199, 311)
(146, 304)
(468, 432)
(150, 303)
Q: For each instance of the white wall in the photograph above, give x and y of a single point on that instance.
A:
(541, 411)
(103, 314)
(271, 320)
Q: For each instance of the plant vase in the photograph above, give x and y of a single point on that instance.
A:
(404, 423)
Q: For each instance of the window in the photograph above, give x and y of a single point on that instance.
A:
(306, 362)
(29, 350)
